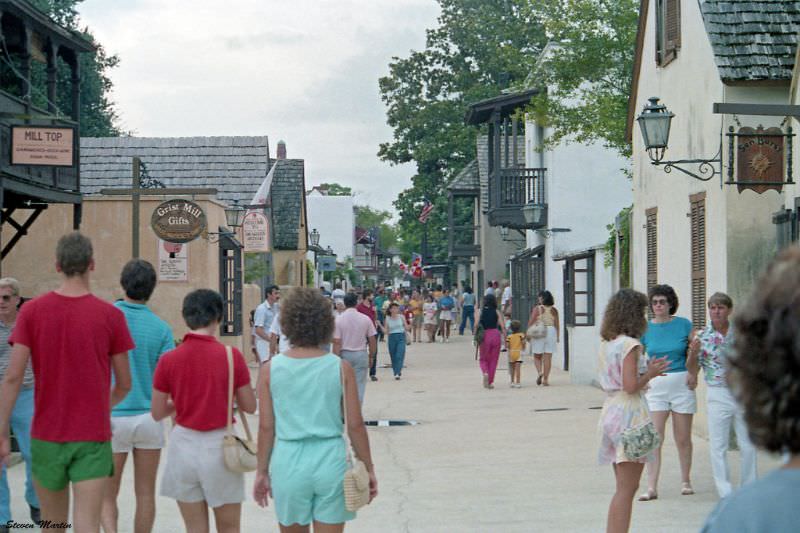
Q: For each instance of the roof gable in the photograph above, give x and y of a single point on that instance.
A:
(468, 179)
(288, 197)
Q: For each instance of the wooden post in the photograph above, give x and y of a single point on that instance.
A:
(135, 197)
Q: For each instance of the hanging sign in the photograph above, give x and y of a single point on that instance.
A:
(760, 158)
(327, 263)
(173, 261)
(178, 221)
(255, 232)
(36, 145)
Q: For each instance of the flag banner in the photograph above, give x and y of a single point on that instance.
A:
(262, 193)
(427, 207)
(416, 260)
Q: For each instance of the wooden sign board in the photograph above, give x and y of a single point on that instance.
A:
(255, 232)
(42, 146)
(178, 221)
(760, 157)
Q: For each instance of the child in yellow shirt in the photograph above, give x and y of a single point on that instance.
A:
(516, 343)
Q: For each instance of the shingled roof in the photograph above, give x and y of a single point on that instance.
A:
(235, 166)
(288, 195)
(468, 179)
(751, 39)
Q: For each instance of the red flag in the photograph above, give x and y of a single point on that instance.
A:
(427, 207)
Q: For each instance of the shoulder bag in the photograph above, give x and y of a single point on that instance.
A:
(537, 330)
(356, 477)
(239, 454)
(639, 440)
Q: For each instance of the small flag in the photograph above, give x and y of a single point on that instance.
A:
(427, 207)
(416, 260)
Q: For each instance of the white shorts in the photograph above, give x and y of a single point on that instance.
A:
(546, 344)
(670, 393)
(445, 314)
(262, 348)
(138, 431)
(195, 469)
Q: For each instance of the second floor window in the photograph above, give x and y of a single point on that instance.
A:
(668, 30)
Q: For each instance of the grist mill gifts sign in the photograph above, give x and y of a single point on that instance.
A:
(178, 221)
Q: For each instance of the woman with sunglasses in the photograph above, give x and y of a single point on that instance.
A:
(673, 391)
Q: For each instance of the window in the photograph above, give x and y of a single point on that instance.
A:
(651, 225)
(698, 237)
(787, 226)
(527, 281)
(668, 30)
(579, 290)
(230, 286)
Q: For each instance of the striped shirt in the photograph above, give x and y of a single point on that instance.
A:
(152, 337)
(5, 356)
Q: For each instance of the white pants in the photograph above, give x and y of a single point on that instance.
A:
(722, 411)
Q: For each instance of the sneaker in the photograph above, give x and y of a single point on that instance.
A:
(486, 381)
(397, 378)
(374, 378)
(36, 514)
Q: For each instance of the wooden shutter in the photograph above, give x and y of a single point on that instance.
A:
(668, 30)
(652, 246)
(698, 236)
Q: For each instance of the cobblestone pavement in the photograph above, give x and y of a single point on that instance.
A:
(502, 460)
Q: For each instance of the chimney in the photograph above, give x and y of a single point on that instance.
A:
(281, 150)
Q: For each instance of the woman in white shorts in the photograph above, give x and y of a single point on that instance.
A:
(543, 348)
(195, 376)
(672, 392)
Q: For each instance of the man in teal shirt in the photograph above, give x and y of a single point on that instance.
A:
(132, 426)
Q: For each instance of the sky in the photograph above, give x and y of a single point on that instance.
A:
(302, 71)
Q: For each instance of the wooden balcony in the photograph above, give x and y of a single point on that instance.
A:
(510, 189)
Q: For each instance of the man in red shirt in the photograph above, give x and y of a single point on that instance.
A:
(366, 307)
(74, 340)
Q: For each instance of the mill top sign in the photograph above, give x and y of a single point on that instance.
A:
(178, 221)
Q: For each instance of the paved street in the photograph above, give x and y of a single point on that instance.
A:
(502, 460)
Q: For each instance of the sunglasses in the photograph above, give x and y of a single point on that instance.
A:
(659, 301)
(8, 297)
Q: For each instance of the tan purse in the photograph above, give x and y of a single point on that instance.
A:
(239, 454)
(356, 477)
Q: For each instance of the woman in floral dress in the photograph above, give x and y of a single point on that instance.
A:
(623, 375)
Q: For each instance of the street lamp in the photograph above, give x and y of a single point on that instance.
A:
(654, 123)
(314, 237)
(234, 215)
(533, 212)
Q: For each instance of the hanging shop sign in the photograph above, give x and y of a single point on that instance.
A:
(178, 221)
(255, 232)
(763, 158)
(42, 146)
(327, 263)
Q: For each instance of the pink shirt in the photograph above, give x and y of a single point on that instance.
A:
(353, 328)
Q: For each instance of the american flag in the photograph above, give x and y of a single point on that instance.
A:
(427, 207)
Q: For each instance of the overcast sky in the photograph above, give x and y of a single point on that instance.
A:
(304, 71)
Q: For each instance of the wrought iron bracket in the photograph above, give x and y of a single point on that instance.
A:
(706, 168)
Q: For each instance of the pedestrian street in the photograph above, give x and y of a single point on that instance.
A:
(501, 460)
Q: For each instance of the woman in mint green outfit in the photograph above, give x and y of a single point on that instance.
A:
(301, 450)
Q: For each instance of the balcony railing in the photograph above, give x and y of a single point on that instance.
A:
(510, 189)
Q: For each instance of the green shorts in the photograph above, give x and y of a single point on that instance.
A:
(55, 464)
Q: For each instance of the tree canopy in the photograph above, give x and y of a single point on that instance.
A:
(478, 48)
(98, 115)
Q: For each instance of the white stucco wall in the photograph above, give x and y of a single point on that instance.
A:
(334, 219)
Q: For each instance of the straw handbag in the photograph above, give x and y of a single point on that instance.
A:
(356, 477)
(239, 454)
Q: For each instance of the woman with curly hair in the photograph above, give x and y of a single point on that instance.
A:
(668, 336)
(301, 452)
(621, 359)
(764, 376)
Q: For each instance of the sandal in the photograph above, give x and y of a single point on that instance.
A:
(648, 496)
(686, 489)
(539, 379)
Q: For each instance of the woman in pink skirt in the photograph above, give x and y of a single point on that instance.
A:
(492, 323)
(623, 375)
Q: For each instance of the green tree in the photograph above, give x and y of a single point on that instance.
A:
(367, 217)
(335, 189)
(478, 48)
(98, 115)
(589, 75)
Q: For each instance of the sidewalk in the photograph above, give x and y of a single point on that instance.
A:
(502, 460)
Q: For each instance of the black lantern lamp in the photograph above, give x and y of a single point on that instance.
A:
(314, 236)
(654, 122)
(234, 215)
(534, 213)
(330, 251)
(504, 232)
